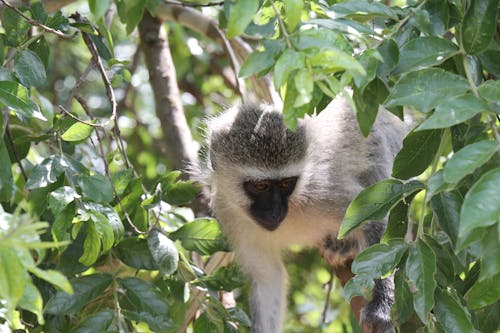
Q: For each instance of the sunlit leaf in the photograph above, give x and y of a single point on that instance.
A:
(203, 236)
(454, 111)
(163, 251)
(375, 202)
(241, 14)
(77, 132)
(481, 207)
(424, 52)
(468, 159)
(427, 88)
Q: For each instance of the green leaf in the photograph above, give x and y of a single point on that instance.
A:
(454, 111)
(91, 246)
(489, 61)
(12, 277)
(6, 180)
(61, 197)
(256, 63)
(418, 152)
(135, 252)
(446, 206)
(288, 62)
(99, 7)
(142, 302)
(98, 322)
(77, 132)
(490, 254)
(122, 179)
(130, 12)
(334, 60)
(424, 52)
(420, 269)
(479, 26)
(86, 288)
(490, 90)
(468, 159)
(374, 202)
(484, 293)
(104, 230)
(163, 251)
(96, 211)
(241, 14)
(45, 173)
(403, 300)
(178, 192)
(53, 277)
(452, 315)
(305, 85)
(293, 11)
(481, 207)
(16, 97)
(97, 188)
(202, 235)
(363, 8)
(389, 51)
(380, 259)
(32, 301)
(368, 103)
(29, 69)
(427, 88)
(15, 26)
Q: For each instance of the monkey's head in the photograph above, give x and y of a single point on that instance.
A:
(256, 161)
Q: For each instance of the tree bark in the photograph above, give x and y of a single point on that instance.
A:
(162, 76)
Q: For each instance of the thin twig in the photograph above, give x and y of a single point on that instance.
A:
(328, 295)
(282, 25)
(36, 23)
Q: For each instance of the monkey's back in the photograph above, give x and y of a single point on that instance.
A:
(340, 161)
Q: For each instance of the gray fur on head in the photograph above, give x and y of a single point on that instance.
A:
(254, 135)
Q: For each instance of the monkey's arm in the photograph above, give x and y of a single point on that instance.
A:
(268, 291)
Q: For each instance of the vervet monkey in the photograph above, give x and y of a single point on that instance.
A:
(271, 187)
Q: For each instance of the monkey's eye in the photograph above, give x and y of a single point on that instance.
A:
(288, 183)
(262, 185)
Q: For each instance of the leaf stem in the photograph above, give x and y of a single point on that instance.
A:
(282, 25)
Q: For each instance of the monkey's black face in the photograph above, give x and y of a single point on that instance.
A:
(269, 200)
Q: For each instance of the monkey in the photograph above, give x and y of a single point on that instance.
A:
(271, 187)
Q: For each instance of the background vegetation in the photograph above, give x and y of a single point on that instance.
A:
(101, 102)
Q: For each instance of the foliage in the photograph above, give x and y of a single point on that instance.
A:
(92, 235)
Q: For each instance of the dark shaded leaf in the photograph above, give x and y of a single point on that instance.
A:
(420, 269)
(29, 69)
(135, 253)
(451, 314)
(97, 188)
(45, 173)
(86, 289)
(142, 302)
(479, 25)
(446, 206)
(418, 152)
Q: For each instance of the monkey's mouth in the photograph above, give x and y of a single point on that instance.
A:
(269, 219)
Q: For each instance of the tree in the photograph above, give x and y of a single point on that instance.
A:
(95, 229)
